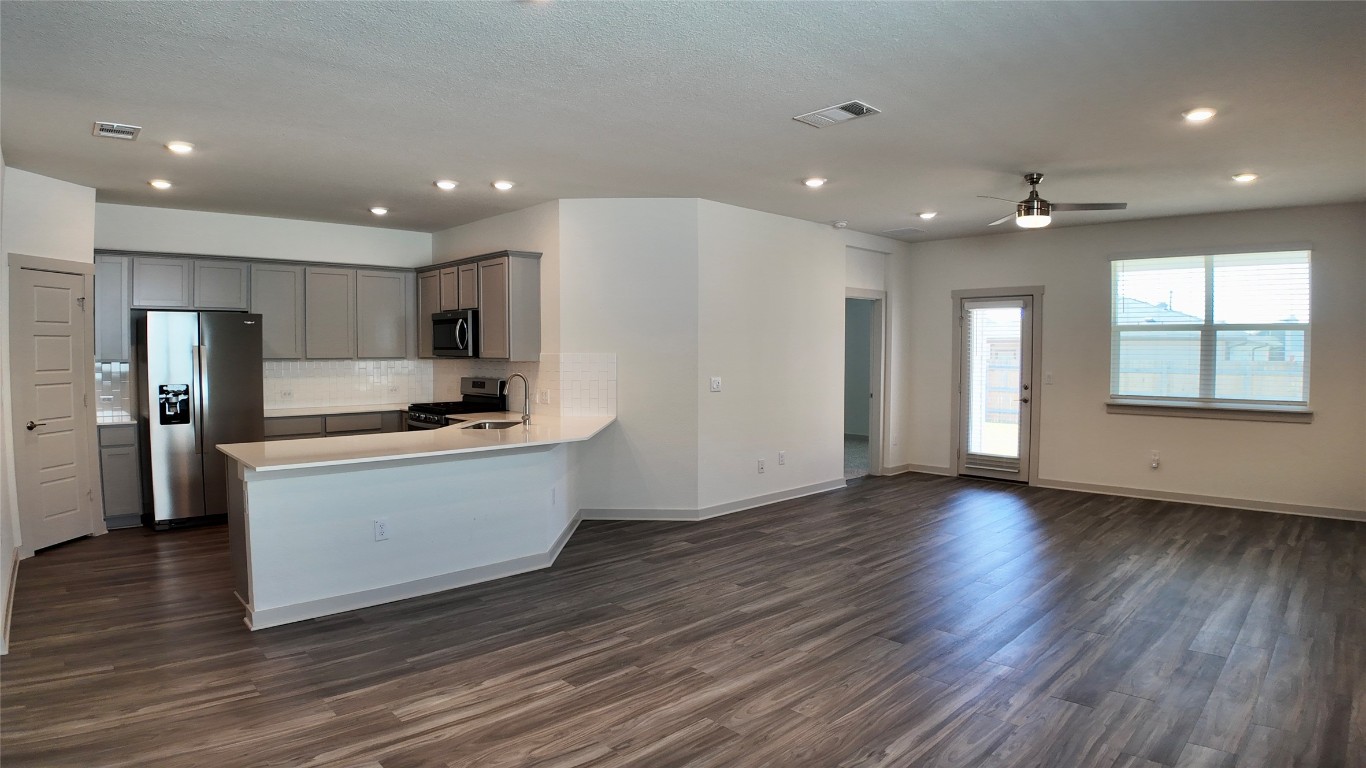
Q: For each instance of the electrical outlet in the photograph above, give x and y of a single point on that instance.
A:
(543, 397)
(287, 394)
(381, 530)
(782, 457)
(761, 466)
(1156, 460)
(393, 388)
(716, 383)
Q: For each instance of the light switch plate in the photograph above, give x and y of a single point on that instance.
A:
(716, 383)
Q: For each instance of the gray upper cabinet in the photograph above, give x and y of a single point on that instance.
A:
(329, 313)
(112, 324)
(277, 295)
(450, 288)
(163, 283)
(428, 304)
(510, 307)
(381, 314)
(221, 284)
(469, 286)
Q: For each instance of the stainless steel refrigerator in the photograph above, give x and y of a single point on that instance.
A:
(199, 379)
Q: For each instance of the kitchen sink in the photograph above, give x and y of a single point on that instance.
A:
(494, 425)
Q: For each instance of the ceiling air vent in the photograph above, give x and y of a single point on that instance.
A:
(837, 114)
(116, 130)
(904, 232)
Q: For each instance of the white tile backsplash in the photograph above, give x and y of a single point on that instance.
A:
(319, 383)
(581, 383)
(113, 393)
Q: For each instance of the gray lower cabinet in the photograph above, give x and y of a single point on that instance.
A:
(121, 475)
(428, 304)
(221, 284)
(381, 314)
(332, 425)
(277, 295)
(113, 326)
(329, 313)
(163, 283)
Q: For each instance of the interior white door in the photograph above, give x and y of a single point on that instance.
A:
(52, 431)
(994, 387)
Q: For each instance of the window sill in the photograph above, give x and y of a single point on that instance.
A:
(1192, 410)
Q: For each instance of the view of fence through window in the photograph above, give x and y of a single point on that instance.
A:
(1223, 327)
(994, 380)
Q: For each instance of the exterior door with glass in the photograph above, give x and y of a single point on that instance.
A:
(994, 380)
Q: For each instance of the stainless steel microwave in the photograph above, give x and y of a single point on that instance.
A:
(453, 333)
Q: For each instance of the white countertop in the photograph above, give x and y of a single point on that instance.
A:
(393, 446)
(325, 410)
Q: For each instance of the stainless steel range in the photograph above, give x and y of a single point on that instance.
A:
(479, 394)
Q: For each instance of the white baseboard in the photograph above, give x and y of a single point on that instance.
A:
(717, 510)
(927, 469)
(9, 601)
(312, 609)
(1213, 501)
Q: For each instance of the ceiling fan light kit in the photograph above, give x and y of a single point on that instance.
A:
(1034, 212)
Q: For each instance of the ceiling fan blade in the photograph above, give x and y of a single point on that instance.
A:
(989, 197)
(1089, 206)
(1003, 219)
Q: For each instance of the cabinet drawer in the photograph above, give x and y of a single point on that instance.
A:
(354, 422)
(294, 426)
(123, 434)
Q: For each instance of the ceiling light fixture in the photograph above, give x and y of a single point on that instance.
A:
(160, 183)
(927, 215)
(815, 182)
(180, 147)
(379, 210)
(447, 184)
(1245, 178)
(1199, 114)
(1033, 212)
(502, 185)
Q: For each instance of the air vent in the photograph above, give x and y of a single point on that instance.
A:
(116, 130)
(904, 232)
(837, 114)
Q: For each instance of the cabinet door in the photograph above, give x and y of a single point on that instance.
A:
(380, 315)
(493, 309)
(428, 304)
(469, 286)
(121, 479)
(163, 283)
(277, 295)
(329, 313)
(450, 289)
(112, 323)
(221, 284)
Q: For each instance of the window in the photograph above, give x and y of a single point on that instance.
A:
(1220, 330)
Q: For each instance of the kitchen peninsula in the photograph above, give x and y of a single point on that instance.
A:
(326, 525)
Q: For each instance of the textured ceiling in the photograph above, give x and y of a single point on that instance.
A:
(320, 110)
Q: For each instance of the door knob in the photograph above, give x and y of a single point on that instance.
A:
(32, 426)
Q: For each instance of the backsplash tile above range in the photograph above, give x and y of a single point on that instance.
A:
(319, 383)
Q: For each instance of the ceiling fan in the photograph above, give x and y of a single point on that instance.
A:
(1034, 211)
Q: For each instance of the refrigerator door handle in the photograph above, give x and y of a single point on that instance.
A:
(197, 398)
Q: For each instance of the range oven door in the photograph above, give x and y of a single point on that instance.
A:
(453, 333)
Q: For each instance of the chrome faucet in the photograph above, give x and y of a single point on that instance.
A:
(526, 398)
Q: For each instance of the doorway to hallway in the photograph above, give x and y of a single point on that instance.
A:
(862, 385)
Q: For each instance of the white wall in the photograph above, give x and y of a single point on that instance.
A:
(1268, 465)
(534, 229)
(170, 230)
(42, 217)
(771, 320)
(629, 285)
(858, 317)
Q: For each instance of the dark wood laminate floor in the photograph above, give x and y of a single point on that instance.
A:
(910, 621)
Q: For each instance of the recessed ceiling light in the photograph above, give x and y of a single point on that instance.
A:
(379, 210)
(447, 184)
(160, 183)
(503, 186)
(1245, 178)
(815, 182)
(1199, 114)
(180, 147)
(927, 215)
